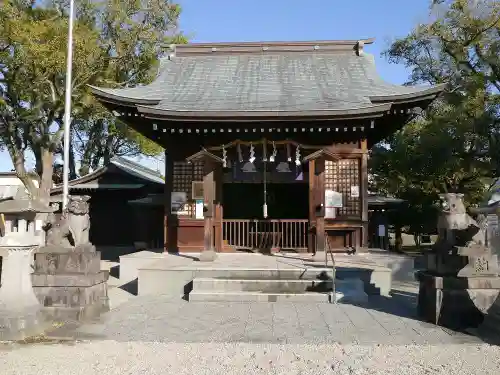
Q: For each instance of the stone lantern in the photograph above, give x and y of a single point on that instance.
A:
(20, 310)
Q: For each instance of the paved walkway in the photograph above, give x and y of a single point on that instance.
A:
(158, 319)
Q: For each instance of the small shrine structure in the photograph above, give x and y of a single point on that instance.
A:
(266, 142)
(21, 314)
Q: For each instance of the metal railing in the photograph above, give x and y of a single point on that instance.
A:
(328, 250)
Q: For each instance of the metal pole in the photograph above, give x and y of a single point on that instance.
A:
(67, 106)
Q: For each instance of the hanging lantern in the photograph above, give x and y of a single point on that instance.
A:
(251, 159)
(272, 158)
(288, 153)
(297, 156)
(224, 157)
(283, 167)
(264, 150)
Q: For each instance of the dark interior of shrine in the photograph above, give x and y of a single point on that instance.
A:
(284, 200)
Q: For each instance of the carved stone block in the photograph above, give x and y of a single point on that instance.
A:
(68, 262)
(452, 303)
(71, 285)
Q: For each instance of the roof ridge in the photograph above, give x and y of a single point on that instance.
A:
(222, 48)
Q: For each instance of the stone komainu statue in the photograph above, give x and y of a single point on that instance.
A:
(455, 226)
(71, 230)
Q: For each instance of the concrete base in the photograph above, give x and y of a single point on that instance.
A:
(207, 256)
(350, 291)
(206, 296)
(130, 263)
(174, 275)
(19, 325)
(456, 303)
(319, 257)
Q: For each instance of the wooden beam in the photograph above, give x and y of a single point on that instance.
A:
(319, 193)
(171, 220)
(208, 202)
(312, 217)
(364, 192)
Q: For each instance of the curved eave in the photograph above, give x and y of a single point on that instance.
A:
(108, 97)
(81, 180)
(426, 94)
(365, 112)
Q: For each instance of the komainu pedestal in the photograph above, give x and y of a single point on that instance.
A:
(460, 281)
(67, 279)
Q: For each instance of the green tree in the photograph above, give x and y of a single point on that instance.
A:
(455, 144)
(133, 35)
(32, 65)
(116, 44)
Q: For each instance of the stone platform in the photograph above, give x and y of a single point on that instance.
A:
(252, 277)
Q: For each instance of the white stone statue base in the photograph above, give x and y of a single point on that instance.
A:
(319, 257)
(20, 310)
(207, 256)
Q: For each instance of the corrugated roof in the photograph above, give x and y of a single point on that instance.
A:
(126, 165)
(315, 80)
(137, 170)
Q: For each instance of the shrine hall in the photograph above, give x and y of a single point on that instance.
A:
(266, 143)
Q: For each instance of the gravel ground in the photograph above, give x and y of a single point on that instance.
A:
(111, 357)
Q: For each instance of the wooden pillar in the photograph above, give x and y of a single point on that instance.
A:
(208, 205)
(317, 161)
(311, 238)
(171, 221)
(319, 193)
(212, 169)
(219, 212)
(364, 192)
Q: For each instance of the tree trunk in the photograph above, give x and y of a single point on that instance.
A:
(399, 239)
(27, 180)
(47, 160)
(416, 238)
(108, 150)
(72, 162)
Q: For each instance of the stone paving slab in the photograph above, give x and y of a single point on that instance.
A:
(161, 319)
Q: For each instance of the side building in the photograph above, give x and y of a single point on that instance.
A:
(120, 221)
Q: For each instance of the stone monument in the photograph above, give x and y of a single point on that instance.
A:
(68, 279)
(490, 328)
(460, 280)
(20, 311)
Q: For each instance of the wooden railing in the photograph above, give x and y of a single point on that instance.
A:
(266, 234)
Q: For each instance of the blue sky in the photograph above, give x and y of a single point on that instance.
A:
(276, 20)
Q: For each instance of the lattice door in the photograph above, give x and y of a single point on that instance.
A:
(340, 176)
(184, 175)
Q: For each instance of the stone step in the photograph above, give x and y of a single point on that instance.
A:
(214, 296)
(297, 273)
(263, 286)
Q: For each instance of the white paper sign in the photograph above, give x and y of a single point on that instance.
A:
(333, 199)
(198, 209)
(330, 213)
(354, 191)
(381, 230)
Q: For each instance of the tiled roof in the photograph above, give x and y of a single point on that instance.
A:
(281, 81)
(126, 165)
